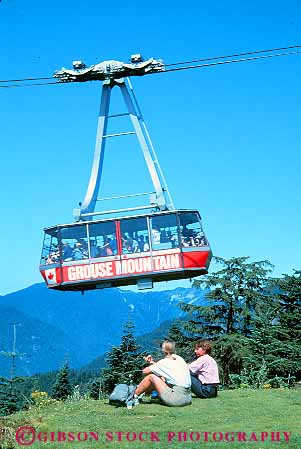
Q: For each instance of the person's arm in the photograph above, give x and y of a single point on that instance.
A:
(149, 359)
(156, 368)
(195, 366)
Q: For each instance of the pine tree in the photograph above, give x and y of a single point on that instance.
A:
(95, 389)
(184, 344)
(230, 352)
(275, 340)
(288, 295)
(232, 294)
(62, 387)
(10, 400)
(124, 362)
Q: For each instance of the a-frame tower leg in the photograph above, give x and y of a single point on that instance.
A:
(161, 191)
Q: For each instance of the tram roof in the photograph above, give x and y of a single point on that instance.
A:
(150, 214)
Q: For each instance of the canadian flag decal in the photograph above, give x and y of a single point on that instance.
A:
(51, 276)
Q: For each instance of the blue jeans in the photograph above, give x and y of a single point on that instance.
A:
(203, 391)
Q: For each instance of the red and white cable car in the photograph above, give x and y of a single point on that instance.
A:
(139, 248)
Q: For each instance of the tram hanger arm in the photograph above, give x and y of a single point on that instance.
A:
(108, 70)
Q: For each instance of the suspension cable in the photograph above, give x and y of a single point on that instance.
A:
(26, 79)
(232, 61)
(28, 85)
(174, 69)
(234, 55)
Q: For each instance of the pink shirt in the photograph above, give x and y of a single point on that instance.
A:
(206, 369)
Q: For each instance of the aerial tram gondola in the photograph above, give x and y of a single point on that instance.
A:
(131, 246)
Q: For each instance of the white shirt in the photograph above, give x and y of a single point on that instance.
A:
(174, 369)
(155, 236)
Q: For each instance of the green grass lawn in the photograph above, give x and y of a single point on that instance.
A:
(239, 414)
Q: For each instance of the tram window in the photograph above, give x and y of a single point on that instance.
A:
(134, 235)
(103, 241)
(74, 243)
(192, 233)
(50, 251)
(164, 232)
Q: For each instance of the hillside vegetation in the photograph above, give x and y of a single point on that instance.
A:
(52, 324)
(246, 418)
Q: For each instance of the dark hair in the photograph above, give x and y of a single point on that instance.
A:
(204, 344)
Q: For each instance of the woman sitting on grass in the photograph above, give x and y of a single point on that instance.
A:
(169, 377)
(204, 371)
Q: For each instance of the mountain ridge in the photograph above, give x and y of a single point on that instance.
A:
(87, 325)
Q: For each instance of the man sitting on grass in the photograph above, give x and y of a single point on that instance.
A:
(204, 371)
(169, 377)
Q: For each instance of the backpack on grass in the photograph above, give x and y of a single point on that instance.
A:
(121, 394)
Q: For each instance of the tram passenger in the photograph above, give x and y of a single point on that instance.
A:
(110, 248)
(77, 252)
(84, 244)
(142, 244)
(135, 246)
(146, 246)
(126, 242)
(200, 239)
(184, 242)
(54, 255)
(169, 377)
(156, 235)
(94, 251)
(164, 237)
(192, 241)
(105, 249)
(129, 244)
(66, 252)
(173, 238)
(187, 233)
(204, 371)
(53, 258)
(113, 245)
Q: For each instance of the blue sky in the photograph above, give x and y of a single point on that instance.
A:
(228, 138)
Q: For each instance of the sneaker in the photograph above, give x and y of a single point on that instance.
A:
(132, 402)
(140, 397)
(136, 401)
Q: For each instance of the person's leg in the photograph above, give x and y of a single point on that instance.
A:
(196, 387)
(149, 383)
(145, 386)
(202, 391)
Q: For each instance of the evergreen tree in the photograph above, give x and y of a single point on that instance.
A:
(232, 294)
(184, 343)
(230, 352)
(288, 294)
(275, 340)
(10, 399)
(95, 389)
(124, 362)
(62, 387)
(266, 338)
